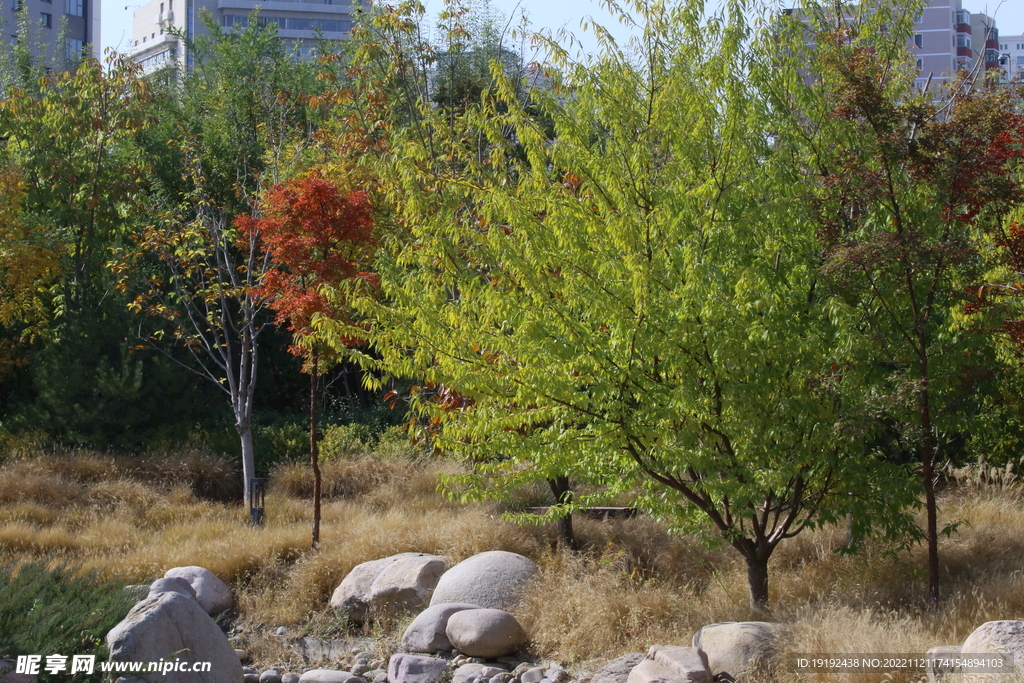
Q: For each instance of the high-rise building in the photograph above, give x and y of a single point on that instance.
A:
(1011, 57)
(949, 39)
(72, 26)
(298, 21)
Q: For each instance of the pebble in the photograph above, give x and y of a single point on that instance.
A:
(532, 675)
(248, 670)
(281, 630)
(290, 678)
(270, 676)
(360, 668)
(251, 678)
(381, 678)
(491, 671)
(242, 655)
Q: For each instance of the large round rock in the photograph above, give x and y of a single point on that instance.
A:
(1006, 637)
(487, 633)
(733, 647)
(171, 627)
(213, 595)
(493, 579)
(426, 633)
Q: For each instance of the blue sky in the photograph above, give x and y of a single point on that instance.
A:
(553, 15)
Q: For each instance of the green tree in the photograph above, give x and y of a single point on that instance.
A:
(635, 301)
(907, 185)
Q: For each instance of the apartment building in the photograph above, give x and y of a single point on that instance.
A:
(72, 26)
(155, 47)
(1011, 57)
(948, 39)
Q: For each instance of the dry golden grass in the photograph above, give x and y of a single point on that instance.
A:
(634, 584)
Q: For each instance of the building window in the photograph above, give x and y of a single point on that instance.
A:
(75, 8)
(1020, 60)
(74, 50)
(918, 40)
(963, 17)
(47, 20)
(920, 64)
(963, 40)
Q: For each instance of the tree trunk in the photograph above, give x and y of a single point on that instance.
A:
(928, 480)
(244, 430)
(563, 494)
(314, 452)
(757, 578)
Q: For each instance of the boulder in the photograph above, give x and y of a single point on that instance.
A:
(733, 647)
(173, 585)
(406, 582)
(934, 668)
(617, 670)
(487, 633)
(426, 633)
(672, 664)
(403, 668)
(213, 595)
(327, 676)
(355, 594)
(1006, 637)
(493, 579)
(171, 626)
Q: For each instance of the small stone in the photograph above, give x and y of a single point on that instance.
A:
(381, 678)
(251, 678)
(363, 657)
(326, 676)
(360, 668)
(494, 679)
(281, 630)
(521, 669)
(475, 660)
(247, 669)
(491, 671)
(533, 675)
(242, 656)
(466, 673)
(270, 676)
(290, 678)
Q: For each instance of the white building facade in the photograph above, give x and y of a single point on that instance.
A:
(1011, 56)
(154, 47)
(77, 20)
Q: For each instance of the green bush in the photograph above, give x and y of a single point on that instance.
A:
(342, 441)
(57, 611)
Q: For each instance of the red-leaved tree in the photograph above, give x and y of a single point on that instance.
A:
(313, 234)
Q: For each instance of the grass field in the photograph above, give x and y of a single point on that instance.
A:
(634, 585)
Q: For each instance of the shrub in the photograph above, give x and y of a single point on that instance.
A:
(59, 610)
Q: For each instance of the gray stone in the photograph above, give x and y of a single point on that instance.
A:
(290, 678)
(1005, 637)
(353, 594)
(466, 672)
(494, 579)
(247, 669)
(494, 679)
(213, 595)
(281, 630)
(426, 633)
(485, 632)
(270, 676)
(406, 583)
(242, 656)
(734, 647)
(934, 668)
(490, 671)
(174, 627)
(403, 668)
(326, 676)
(533, 675)
(172, 585)
(381, 677)
(672, 664)
(360, 668)
(556, 674)
(251, 678)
